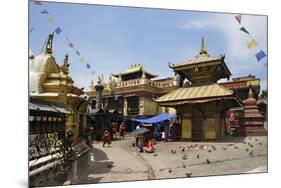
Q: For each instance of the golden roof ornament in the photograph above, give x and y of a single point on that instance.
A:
(65, 65)
(203, 49)
(49, 44)
(250, 93)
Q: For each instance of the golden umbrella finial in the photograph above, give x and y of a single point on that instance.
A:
(203, 49)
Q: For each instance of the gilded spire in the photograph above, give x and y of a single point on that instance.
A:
(203, 49)
(49, 44)
(250, 93)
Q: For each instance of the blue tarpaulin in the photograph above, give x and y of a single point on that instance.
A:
(156, 119)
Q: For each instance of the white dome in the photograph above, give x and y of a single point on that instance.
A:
(36, 68)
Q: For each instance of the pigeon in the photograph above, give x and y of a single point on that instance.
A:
(184, 157)
(260, 143)
(207, 160)
(209, 150)
(224, 148)
(173, 151)
(247, 149)
(251, 153)
(170, 170)
(244, 142)
(188, 174)
(235, 147)
(198, 156)
(251, 145)
(256, 139)
(183, 165)
(183, 149)
(250, 138)
(155, 155)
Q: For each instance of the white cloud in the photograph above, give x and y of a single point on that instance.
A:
(236, 40)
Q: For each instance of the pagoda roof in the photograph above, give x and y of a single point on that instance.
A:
(196, 94)
(137, 68)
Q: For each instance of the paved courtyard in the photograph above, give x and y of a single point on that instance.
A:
(120, 162)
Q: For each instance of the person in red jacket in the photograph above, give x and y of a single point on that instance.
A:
(149, 147)
(106, 138)
(122, 130)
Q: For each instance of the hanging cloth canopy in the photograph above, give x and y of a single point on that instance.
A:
(156, 119)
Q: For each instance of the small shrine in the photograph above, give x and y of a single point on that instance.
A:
(251, 124)
(201, 103)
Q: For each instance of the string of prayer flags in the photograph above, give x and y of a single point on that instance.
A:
(260, 55)
(71, 45)
(244, 30)
(51, 21)
(58, 30)
(251, 44)
(238, 18)
(82, 59)
(44, 11)
(37, 2)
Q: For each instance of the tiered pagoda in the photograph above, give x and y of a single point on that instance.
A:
(131, 92)
(251, 124)
(201, 103)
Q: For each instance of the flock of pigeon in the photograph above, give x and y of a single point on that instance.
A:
(249, 143)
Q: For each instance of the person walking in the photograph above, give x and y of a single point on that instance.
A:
(106, 138)
(122, 130)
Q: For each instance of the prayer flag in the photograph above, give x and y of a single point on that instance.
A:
(44, 11)
(260, 55)
(51, 21)
(88, 66)
(252, 43)
(67, 39)
(77, 53)
(244, 30)
(82, 59)
(58, 30)
(37, 3)
(70, 45)
(30, 30)
(238, 18)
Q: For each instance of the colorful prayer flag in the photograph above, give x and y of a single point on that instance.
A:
(51, 21)
(67, 39)
(88, 66)
(37, 2)
(44, 11)
(260, 55)
(82, 59)
(252, 43)
(58, 30)
(30, 30)
(71, 45)
(238, 18)
(77, 53)
(244, 30)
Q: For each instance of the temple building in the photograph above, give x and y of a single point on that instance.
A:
(201, 103)
(131, 93)
(51, 83)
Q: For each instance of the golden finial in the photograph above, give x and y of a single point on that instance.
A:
(203, 49)
(49, 44)
(250, 93)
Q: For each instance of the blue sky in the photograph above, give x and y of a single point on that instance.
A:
(113, 38)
